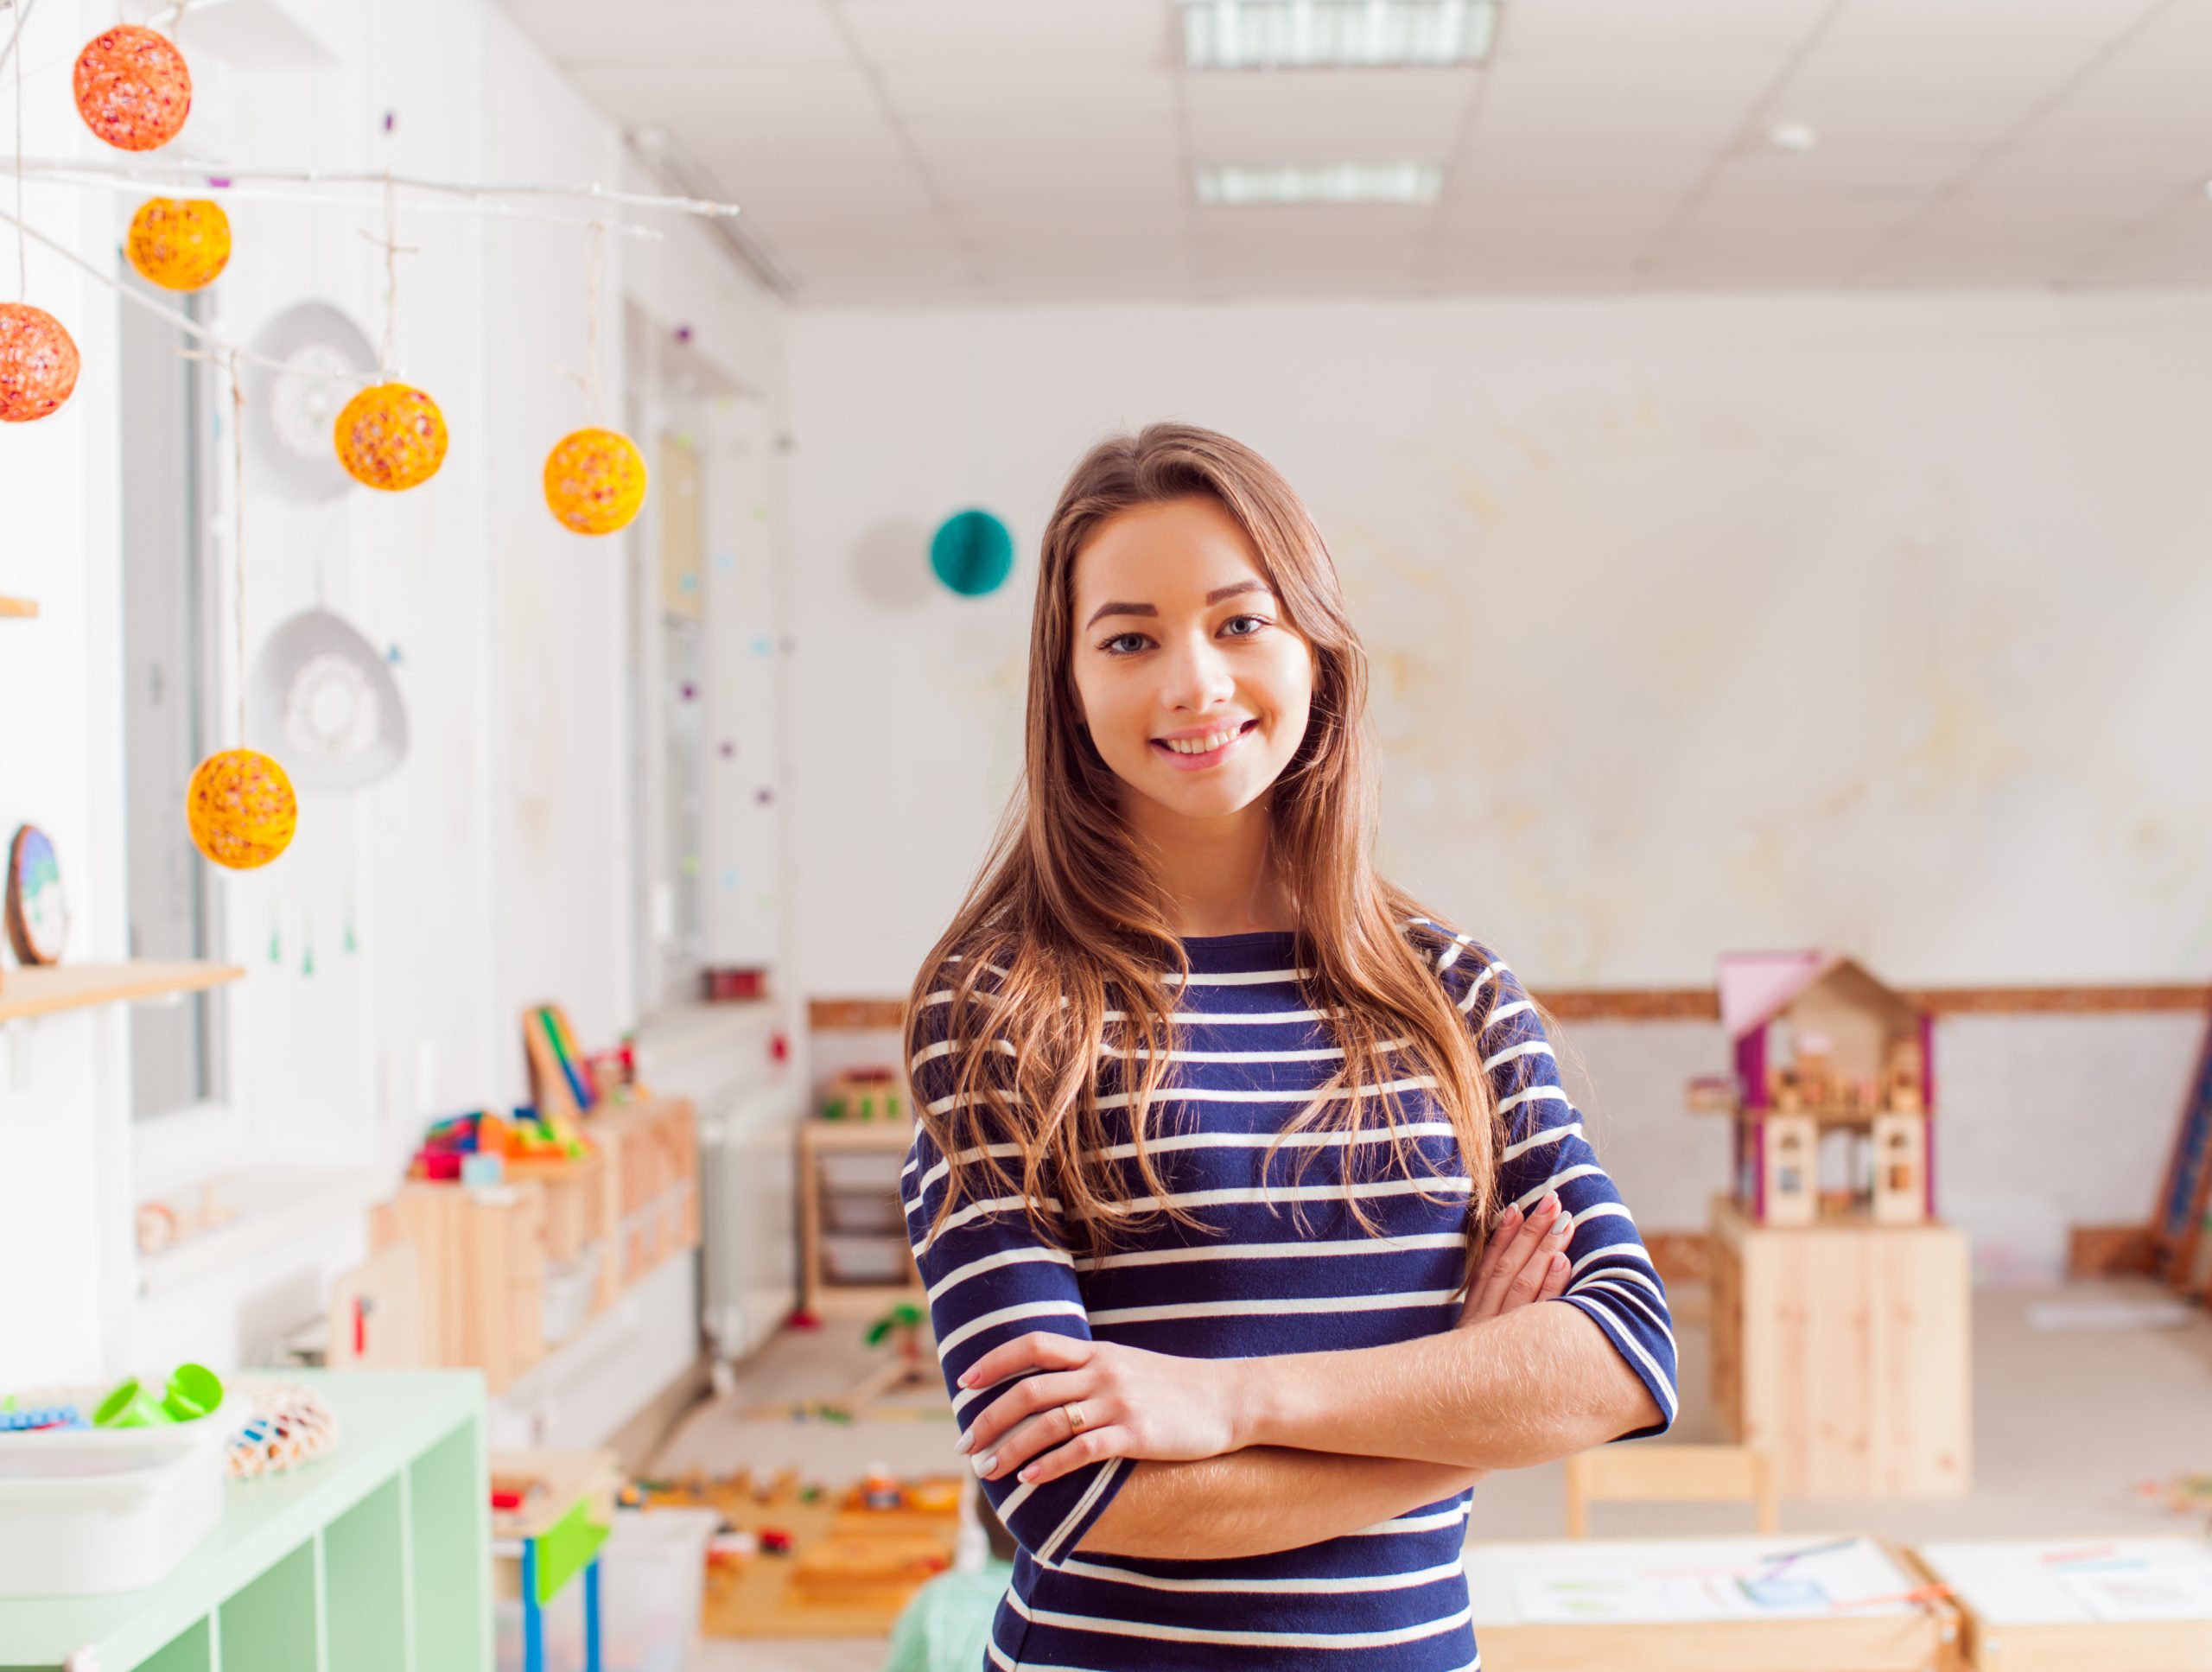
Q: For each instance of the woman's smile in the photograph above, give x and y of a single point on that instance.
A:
(1193, 752)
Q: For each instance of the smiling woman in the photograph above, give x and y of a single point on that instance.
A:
(1217, 1127)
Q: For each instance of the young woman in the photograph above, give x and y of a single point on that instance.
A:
(1214, 1122)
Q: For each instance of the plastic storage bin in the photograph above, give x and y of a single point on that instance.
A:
(83, 1511)
(873, 1215)
(653, 1572)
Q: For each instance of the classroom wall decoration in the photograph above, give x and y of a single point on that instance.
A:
(390, 436)
(37, 911)
(320, 690)
(292, 413)
(133, 88)
(179, 244)
(972, 552)
(241, 809)
(594, 481)
(38, 363)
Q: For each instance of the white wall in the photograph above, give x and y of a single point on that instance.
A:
(1698, 624)
(491, 870)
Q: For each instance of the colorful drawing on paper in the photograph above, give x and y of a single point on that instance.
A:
(37, 910)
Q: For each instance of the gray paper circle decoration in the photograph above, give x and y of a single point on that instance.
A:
(323, 701)
(290, 413)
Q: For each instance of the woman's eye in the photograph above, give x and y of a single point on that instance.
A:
(1243, 626)
(1123, 644)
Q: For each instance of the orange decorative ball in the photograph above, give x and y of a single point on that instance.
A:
(38, 363)
(179, 244)
(594, 481)
(392, 436)
(240, 809)
(133, 89)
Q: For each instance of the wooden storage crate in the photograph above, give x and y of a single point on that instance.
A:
(651, 1150)
(1845, 1351)
(480, 1260)
(820, 1292)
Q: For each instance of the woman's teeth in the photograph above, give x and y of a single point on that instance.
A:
(1205, 744)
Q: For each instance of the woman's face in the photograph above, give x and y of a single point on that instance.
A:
(1195, 688)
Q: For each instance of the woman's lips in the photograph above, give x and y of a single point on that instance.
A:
(1198, 763)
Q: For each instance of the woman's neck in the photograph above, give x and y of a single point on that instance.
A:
(1220, 876)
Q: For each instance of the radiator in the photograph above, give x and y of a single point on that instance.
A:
(748, 1167)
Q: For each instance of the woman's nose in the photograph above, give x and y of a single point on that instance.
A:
(1198, 676)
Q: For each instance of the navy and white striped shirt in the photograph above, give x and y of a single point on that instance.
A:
(1286, 1268)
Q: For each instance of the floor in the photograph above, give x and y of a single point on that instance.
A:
(2065, 1425)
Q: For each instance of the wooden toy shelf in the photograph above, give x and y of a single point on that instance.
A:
(824, 1147)
(375, 1559)
(46, 989)
(20, 607)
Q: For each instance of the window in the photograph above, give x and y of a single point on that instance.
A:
(171, 641)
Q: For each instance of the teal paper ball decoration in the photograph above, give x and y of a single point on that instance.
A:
(972, 553)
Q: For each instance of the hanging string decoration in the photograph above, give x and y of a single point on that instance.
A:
(38, 363)
(179, 244)
(972, 552)
(392, 436)
(133, 89)
(594, 481)
(241, 809)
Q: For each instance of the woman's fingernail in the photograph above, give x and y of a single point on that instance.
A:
(985, 1465)
(965, 1377)
(1564, 1226)
(966, 1441)
(1551, 1203)
(1029, 1473)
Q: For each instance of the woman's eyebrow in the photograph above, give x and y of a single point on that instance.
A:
(1214, 597)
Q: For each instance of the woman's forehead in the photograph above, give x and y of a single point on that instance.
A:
(1175, 555)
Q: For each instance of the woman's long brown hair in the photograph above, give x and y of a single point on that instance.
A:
(1061, 959)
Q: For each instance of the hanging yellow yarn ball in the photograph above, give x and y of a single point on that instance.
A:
(392, 436)
(241, 809)
(179, 244)
(594, 480)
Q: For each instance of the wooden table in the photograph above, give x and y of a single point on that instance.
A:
(1804, 1603)
(2052, 1606)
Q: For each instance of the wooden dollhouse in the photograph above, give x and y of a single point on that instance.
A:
(1841, 1316)
(1824, 1052)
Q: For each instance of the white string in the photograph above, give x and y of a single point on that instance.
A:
(135, 185)
(238, 537)
(197, 171)
(23, 9)
(591, 365)
(23, 249)
(184, 322)
(390, 277)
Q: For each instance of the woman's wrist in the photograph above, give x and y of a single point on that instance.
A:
(1253, 1399)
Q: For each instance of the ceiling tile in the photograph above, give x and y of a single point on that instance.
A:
(1124, 34)
(1301, 116)
(756, 33)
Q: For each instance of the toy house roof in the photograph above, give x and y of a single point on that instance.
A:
(1756, 987)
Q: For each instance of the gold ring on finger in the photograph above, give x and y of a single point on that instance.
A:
(1076, 1419)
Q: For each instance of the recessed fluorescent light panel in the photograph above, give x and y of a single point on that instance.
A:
(1306, 34)
(1236, 184)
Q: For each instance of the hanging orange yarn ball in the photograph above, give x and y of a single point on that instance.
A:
(594, 480)
(133, 89)
(179, 244)
(240, 809)
(392, 436)
(38, 363)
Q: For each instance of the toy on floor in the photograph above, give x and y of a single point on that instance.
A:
(823, 1563)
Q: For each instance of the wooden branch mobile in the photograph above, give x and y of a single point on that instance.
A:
(133, 88)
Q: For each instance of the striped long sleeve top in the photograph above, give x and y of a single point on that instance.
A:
(1281, 1267)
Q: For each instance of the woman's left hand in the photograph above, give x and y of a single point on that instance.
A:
(1129, 1403)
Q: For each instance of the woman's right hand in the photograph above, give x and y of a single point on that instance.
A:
(1523, 1262)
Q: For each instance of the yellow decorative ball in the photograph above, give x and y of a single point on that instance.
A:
(179, 244)
(392, 436)
(241, 809)
(594, 481)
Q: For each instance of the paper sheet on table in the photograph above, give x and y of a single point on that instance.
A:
(1588, 1587)
(2040, 1582)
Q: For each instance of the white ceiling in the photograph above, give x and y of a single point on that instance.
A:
(933, 151)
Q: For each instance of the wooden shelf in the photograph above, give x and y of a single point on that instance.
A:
(45, 989)
(24, 607)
